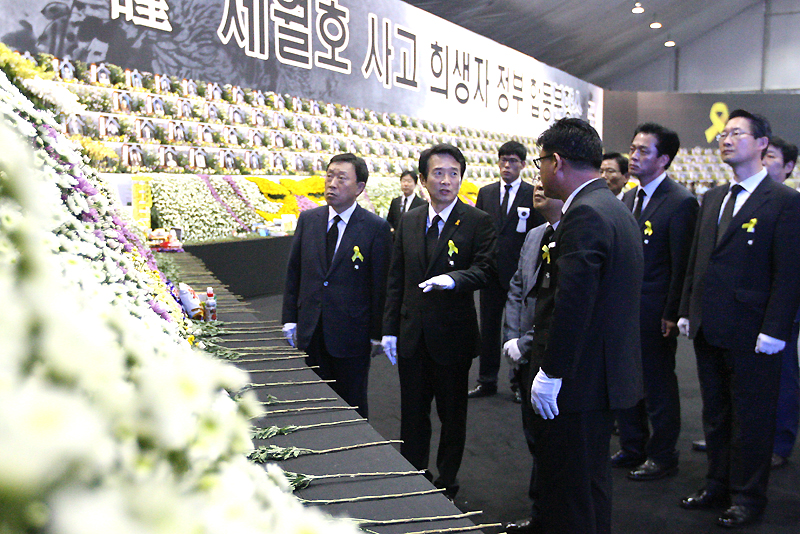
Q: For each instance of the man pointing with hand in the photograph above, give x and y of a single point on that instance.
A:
(442, 254)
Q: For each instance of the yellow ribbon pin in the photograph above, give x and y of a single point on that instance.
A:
(357, 254)
(750, 226)
(718, 116)
(190, 339)
(648, 228)
(546, 254)
(458, 222)
(451, 248)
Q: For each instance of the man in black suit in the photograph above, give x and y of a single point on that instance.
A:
(517, 333)
(336, 282)
(666, 212)
(442, 253)
(405, 202)
(585, 332)
(511, 208)
(739, 299)
(614, 170)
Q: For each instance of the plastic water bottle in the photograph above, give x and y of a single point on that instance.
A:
(210, 309)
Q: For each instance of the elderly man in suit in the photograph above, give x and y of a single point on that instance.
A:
(511, 208)
(666, 212)
(517, 333)
(585, 332)
(739, 299)
(442, 253)
(405, 202)
(336, 282)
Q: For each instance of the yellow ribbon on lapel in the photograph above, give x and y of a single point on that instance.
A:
(751, 225)
(648, 228)
(451, 248)
(546, 254)
(357, 254)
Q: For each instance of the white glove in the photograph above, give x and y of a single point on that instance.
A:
(511, 351)
(544, 392)
(290, 332)
(683, 326)
(769, 345)
(442, 281)
(390, 348)
(376, 349)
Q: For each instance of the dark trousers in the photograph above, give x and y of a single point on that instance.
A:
(740, 394)
(661, 405)
(350, 374)
(421, 381)
(788, 399)
(493, 302)
(528, 428)
(574, 473)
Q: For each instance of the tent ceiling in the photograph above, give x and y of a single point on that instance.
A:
(595, 40)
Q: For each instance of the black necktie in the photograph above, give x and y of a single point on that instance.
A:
(405, 203)
(504, 204)
(727, 211)
(544, 262)
(332, 238)
(431, 237)
(637, 208)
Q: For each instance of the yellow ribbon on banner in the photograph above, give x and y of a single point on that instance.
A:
(648, 228)
(750, 226)
(451, 248)
(357, 254)
(546, 254)
(718, 116)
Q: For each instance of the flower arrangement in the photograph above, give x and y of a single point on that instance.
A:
(107, 416)
(313, 186)
(270, 188)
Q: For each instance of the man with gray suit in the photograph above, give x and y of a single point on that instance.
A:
(518, 324)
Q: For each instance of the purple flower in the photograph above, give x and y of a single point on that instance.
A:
(216, 196)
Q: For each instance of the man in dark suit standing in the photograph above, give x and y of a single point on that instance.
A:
(336, 282)
(511, 208)
(739, 299)
(517, 333)
(405, 202)
(666, 212)
(442, 253)
(585, 332)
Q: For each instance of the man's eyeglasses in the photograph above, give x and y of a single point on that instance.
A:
(733, 134)
(538, 161)
(510, 161)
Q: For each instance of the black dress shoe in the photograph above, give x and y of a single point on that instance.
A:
(651, 470)
(699, 445)
(517, 397)
(706, 500)
(524, 526)
(777, 461)
(482, 390)
(623, 458)
(738, 516)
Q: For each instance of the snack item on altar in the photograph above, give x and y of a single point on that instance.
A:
(190, 302)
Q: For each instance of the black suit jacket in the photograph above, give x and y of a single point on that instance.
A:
(666, 227)
(446, 320)
(593, 341)
(748, 283)
(349, 297)
(509, 240)
(394, 215)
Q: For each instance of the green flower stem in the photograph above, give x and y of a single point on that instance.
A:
(282, 370)
(272, 431)
(377, 523)
(277, 384)
(271, 399)
(371, 497)
(306, 409)
(273, 452)
(457, 529)
(278, 358)
(301, 481)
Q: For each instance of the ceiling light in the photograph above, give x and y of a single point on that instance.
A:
(637, 8)
(669, 43)
(655, 24)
